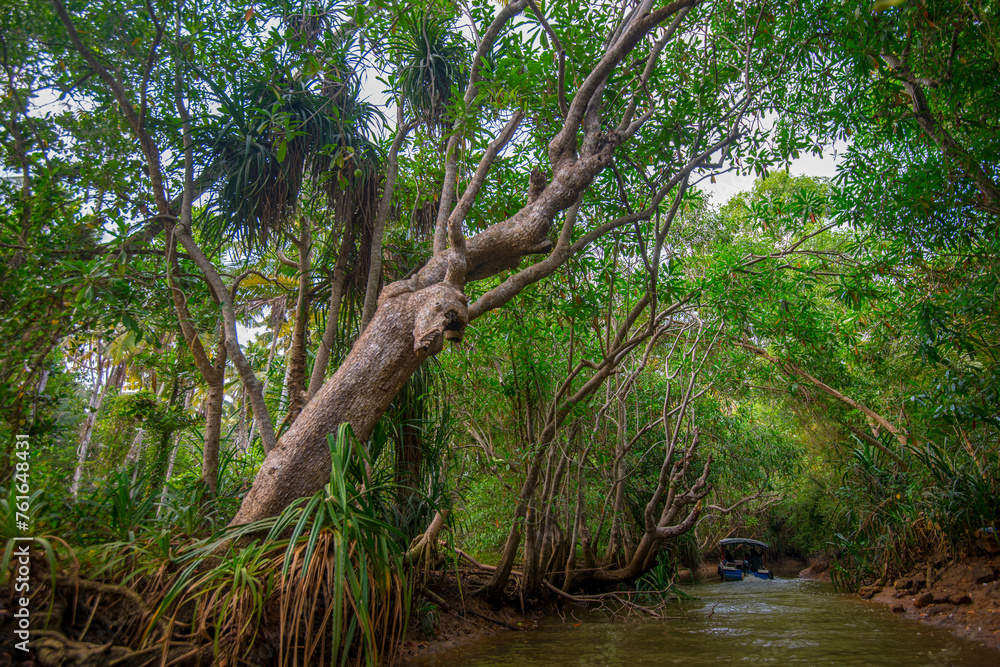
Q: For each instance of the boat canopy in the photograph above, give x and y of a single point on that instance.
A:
(739, 541)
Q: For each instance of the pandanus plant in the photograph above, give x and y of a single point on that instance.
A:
(434, 60)
(265, 152)
(325, 584)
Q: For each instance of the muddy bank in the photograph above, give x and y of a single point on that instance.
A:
(818, 569)
(450, 617)
(963, 597)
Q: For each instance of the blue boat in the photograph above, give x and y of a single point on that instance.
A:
(740, 558)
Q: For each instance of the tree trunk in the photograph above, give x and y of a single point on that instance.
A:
(333, 314)
(297, 353)
(213, 422)
(413, 315)
(410, 412)
(96, 399)
(407, 328)
(162, 452)
(43, 381)
(409, 453)
(494, 589)
(384, 206)
(791, 369)
(135, 455)
(616, 537)
(173, 460)
(277, 318)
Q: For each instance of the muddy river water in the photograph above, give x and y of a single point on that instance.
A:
(780, 622)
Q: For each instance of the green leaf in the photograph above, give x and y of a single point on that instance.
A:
(881, 5)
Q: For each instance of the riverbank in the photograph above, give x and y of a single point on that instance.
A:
(450, 617)
(963, 597)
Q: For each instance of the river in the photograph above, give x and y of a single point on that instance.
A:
(780, 622)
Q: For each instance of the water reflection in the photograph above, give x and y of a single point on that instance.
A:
(780, 622)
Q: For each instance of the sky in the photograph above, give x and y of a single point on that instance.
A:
(731, 184)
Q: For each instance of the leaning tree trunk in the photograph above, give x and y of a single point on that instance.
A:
(407, 328)
(413, 315)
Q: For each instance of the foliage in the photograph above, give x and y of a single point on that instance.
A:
(336, 577)
(849, 376)
(432, 64)
(934, 506)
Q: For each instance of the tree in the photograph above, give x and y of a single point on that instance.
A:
(282, 130)
(594, 114)
(669, 93)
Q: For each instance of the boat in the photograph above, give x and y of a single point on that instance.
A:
(740, 558)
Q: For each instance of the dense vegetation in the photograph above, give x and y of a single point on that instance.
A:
(228, 278)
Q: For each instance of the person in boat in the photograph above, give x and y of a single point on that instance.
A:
(755, 559)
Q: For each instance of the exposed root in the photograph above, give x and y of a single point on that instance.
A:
(621, 598)
(444, 606)
(57, 650)
(78, 584)
(423, 549)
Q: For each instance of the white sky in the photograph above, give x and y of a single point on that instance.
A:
(731, 184)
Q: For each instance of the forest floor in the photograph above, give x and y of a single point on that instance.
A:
(962, 596)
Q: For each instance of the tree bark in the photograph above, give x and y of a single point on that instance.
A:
(213, 421)
(407, 329)
(297, 353)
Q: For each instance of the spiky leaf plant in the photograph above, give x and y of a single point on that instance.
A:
(347, 571)
(434, 61)
(276, 134)
(325, 584)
